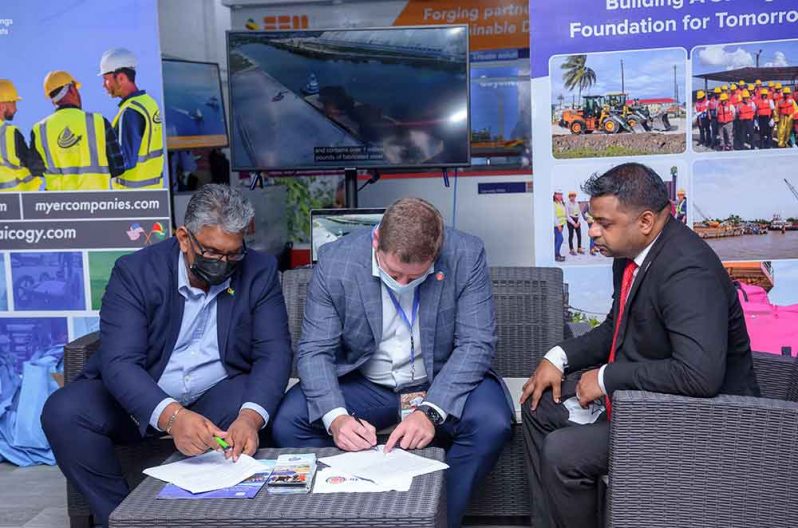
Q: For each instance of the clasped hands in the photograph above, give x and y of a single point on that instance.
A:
(548, 376)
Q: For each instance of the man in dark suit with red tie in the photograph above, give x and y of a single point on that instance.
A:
(675, 326)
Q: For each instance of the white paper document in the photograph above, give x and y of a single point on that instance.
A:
(381, 467)
(332, 480)
(582, 416)
(207, 472)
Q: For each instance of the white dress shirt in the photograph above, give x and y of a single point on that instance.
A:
(390, 365)
(557, 355)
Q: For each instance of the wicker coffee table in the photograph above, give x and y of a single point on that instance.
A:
(423, 505)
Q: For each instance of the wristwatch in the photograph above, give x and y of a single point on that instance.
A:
(431, 413)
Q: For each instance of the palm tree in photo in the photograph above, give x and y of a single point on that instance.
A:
(577, 74)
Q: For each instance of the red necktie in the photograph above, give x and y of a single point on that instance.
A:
(626, 285)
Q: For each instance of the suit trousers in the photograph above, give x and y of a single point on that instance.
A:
(565, 462)
(473, 443)
(83, 422)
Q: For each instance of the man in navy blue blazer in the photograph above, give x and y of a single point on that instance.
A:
(194, 343)
(403, 313)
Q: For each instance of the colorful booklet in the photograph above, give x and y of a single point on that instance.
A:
(293, 473)
(245, 490)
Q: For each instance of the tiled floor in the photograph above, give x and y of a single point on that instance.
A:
(35, 497)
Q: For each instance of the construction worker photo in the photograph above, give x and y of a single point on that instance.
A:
(765, 111)
(702, 119)
(785, 110)
(560, 220)
(726, 115)
(746, 111)
(14, 172)
(75, 150)
(137, 123)
(714, 128)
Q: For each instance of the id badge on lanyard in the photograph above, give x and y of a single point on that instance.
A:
(409, 322)
(409, 402)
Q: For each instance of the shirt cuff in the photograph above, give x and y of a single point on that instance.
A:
(328, 418)
(440, 411)
(557, 357)
(601, 379)
(258, 409)
(156, 414)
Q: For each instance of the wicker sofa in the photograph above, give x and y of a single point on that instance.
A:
(529, 314)
(725, 462)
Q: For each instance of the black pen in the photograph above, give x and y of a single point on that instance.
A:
(364, 425)
(358, 419)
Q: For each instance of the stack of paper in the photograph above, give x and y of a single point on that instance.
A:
(394, 470)
(246, 490)
(207, 472)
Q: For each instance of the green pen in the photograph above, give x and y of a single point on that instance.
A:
(224, 445)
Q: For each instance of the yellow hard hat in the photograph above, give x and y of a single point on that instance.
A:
(746, 93)
(700, 94)
(725, 87)
(786, 90)
(764, 91)
(778, 85)
(741, 82)
(716, 90)
(734, 86)
(8, 92)
(770, 84)
(724, 97)
(56, 79)
(750, 87)
(758, 82)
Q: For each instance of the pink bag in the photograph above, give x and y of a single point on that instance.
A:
(771, 328)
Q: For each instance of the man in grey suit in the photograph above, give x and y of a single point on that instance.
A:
(401, 313)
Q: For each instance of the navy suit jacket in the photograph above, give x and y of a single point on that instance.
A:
(343, 321)
(140, 321)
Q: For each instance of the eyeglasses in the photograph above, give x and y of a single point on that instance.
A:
(212, 254)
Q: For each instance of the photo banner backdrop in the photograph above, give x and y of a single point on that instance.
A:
(655, 82)
(59, 240)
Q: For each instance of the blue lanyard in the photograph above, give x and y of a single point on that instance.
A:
(409, 323)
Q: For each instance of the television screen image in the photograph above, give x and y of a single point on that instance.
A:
(195, 115)
(328, 225)
(355, 98)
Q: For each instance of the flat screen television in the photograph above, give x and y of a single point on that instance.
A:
(328, 225)
(350, 98)
(192, 93)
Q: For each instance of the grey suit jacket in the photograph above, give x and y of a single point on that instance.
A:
(342, 325)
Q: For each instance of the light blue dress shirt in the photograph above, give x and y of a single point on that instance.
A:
(195, 364)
